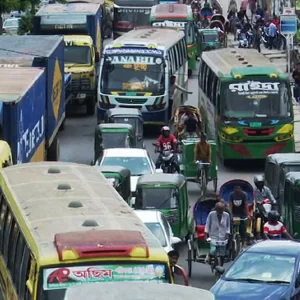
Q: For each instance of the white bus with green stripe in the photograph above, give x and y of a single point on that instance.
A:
(135, 72)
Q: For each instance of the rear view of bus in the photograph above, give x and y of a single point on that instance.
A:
(129, 14)
(64, 224)
(178, 16)
(135, 72)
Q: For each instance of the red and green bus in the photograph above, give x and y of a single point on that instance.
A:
(246, 104)
(178, 16)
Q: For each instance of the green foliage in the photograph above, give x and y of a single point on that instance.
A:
(26, 24)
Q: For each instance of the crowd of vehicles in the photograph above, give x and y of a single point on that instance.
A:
(66, 225)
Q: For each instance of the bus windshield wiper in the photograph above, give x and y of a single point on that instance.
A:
(249, 280)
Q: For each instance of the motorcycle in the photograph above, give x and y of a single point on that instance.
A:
(168, 162)
(243, 40)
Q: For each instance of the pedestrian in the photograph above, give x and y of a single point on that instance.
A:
(296, 77)
(252, 7)
(266, 15)
(272, 32)
(218, 229)
(257, 38)
(243, 11)
(259, 11)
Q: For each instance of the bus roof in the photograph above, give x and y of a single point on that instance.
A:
(148, 37)
(135, 290)
(172, 12)
(50, 198)
(237, 63)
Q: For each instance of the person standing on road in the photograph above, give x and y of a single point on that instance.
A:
(242, 14)
(257, 38)
(296, 77)
(217, 228)
(272, 34)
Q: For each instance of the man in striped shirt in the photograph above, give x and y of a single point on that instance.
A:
(274, 229)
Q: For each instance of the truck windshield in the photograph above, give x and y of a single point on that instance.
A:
(126, 19)
(157, 198)
(133, 73)
(256, 99)
(79, 55)
(57, 280)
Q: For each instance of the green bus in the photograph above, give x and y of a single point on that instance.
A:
(179, 16)
(245, 104)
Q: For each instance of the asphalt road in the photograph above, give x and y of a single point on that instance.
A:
(77, 146)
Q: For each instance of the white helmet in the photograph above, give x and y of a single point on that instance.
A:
(259, 178)
(165, 128)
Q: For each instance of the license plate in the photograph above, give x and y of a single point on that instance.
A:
(255, 124)
(80, 96)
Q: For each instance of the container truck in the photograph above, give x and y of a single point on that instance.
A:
(23, 114)
(46, 52)
(80, 23)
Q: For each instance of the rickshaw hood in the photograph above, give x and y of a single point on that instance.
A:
(237, 290)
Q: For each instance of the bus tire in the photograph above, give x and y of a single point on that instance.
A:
(53, 152)
(190, 72)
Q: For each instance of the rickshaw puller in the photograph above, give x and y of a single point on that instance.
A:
(274, 229)
(218, 229)
(166, 142)
(202, 152)
(238, 200)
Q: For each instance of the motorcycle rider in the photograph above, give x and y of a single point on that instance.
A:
(262, 192)
(273, 228)
(166, 142)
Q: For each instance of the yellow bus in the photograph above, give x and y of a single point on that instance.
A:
(63, 224)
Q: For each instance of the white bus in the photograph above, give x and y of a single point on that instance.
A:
(135, 72)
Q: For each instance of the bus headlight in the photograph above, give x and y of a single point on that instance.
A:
(230, 138)
(283, 137)
(287, 128)
(230, 130)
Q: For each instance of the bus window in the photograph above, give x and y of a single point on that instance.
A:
(12, 247)
(2, 222)
(7, 228)
(24, 273)
(18, 261)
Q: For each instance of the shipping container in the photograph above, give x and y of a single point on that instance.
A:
(22, 112)
(70, 19)
(44, 52)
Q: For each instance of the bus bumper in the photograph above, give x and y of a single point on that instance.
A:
(259, 150)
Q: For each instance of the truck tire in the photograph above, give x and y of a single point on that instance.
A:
(90, 106)
(54, 151)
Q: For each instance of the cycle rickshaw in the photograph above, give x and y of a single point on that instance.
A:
(218, 25)
(224, 193)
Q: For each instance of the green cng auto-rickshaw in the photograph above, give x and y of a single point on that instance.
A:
(209, 40)
(276, 168)
(290, 206)
(167, 193)
(112, 136)
(119, 178)
(132, 116)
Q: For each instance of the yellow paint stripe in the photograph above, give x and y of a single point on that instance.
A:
(39, 154)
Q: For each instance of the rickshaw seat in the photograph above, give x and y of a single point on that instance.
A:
(200, 234)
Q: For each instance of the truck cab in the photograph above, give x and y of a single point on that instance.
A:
(81, 59)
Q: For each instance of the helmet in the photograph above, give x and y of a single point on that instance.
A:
(165, 128)
(259, 178)
(273, 215)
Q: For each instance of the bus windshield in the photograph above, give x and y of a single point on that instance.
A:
(256, 99)
(133, 73)
(57, 280)
(128, 18)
